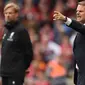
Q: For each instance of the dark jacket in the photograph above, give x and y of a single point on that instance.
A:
(16, 50)
(79, 52)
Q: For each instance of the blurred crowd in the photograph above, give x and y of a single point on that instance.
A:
(52, 40)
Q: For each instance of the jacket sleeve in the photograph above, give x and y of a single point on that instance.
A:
(77, 26)
(26, 47)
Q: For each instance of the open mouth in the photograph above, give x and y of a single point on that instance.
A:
(78, 16)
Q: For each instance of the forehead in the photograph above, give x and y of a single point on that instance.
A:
(81, 7)
(10, 10)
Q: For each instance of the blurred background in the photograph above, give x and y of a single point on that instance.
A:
(52, 40)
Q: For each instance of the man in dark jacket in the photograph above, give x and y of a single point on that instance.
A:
(79, 43)
(16, 50)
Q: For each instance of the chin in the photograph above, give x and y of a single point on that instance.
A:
(7, 21)
(79, 20)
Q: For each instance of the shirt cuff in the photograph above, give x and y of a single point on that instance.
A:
(68, 21)
(77, 67)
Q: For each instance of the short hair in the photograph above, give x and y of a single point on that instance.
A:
(12, 5)
(81, 3)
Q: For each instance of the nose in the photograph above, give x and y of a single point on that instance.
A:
(7, 14)
(77, 13)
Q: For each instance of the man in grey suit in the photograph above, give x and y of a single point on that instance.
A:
(79, 43)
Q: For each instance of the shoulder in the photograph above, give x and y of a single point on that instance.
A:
(21, 28)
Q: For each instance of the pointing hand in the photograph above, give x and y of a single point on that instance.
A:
(58, 16)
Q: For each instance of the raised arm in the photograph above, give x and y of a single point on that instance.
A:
(69, 22)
